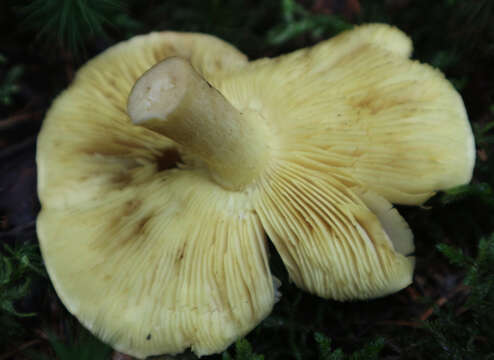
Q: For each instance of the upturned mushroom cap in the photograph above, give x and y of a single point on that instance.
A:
(170, 157)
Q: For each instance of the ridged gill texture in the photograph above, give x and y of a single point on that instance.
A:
(153, 256)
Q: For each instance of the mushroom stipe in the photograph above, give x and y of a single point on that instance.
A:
(171, 159)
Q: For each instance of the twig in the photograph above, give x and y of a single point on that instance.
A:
(14, 120)
(119, 356)
(15, 231)
(442, 300)
(413, 324)
(439, 302)
(414, 295)
(10, 150)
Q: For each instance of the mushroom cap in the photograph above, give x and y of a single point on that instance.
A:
(148, 256)
(364, 112)
(154, 256)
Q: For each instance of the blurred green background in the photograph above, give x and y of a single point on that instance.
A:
(447, 313)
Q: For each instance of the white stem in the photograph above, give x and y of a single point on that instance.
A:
(174, 100)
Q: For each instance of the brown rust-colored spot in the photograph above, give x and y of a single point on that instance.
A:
(141, 225)
(374, 102)
(131, 207)
(110, 95)
(122, 179)
(308, 226)
(166, 51)
(218, 64)
(181, 253)
(365, 102)
(157, 54)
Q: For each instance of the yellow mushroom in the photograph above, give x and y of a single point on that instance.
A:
(170, 157)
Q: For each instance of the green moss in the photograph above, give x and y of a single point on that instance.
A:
(19, 268)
